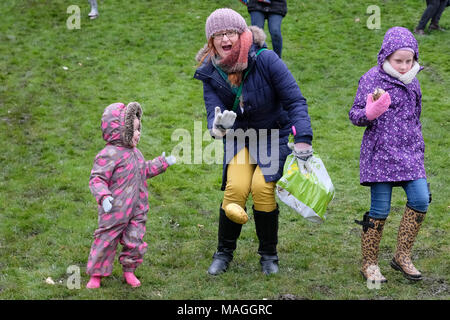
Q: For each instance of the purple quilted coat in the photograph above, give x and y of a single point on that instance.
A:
(392, 147)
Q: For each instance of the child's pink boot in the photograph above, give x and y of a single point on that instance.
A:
(131, 279)
(94, 282)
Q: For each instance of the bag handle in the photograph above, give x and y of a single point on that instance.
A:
(239, 91)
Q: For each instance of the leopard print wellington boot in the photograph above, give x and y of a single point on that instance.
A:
(370, 243)
(407, 233)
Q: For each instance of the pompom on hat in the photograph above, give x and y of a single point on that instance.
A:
(224, 19)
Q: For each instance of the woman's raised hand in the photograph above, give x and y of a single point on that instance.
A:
(225, 120)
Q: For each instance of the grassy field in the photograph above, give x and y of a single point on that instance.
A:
(55, 83)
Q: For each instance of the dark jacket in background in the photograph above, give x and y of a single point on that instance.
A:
(276, 6)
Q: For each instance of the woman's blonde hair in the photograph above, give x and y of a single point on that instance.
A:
(235, 78)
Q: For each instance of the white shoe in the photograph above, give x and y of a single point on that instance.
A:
(93, 14)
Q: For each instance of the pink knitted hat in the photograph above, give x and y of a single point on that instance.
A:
(224, 19)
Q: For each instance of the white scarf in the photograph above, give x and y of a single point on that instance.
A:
(406, 78)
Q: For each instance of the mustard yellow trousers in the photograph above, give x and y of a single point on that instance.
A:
(244, 178)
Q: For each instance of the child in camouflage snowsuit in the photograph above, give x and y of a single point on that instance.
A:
(118, 183)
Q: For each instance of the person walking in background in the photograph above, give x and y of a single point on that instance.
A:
(248, 90)
(93, 14)
(118, 182)
(433, 12)
(392, 150)
(273, 11)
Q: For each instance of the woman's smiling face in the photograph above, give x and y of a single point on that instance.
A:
(224, 41)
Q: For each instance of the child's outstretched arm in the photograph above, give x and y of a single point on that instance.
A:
(158, 165)
(101, 175)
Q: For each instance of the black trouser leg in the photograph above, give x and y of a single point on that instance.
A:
(429, 13)
(435, 19)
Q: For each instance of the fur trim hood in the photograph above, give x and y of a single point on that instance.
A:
(117, 123)
(259, 38)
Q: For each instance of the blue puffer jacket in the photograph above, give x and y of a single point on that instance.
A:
(272, 100)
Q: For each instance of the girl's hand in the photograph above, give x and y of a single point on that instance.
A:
(374, 109)
(106, 204)
(171, 160)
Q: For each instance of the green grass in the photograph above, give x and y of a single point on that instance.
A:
(144, 51)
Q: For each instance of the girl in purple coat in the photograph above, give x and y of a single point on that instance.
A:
(392, 150)
(118, 182)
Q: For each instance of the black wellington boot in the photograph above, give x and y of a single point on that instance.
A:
(266, 224)
(228, 234)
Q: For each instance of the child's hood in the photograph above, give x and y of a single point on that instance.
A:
(117, 123)
(394, 39)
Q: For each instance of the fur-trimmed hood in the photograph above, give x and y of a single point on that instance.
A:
(117, 123)
(259, 38)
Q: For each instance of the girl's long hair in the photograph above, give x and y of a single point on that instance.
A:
(235, 78)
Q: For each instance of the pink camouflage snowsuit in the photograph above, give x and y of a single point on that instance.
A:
(120, 171)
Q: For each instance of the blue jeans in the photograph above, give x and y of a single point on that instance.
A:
(274, 21)
(434, 10)
(417, 194)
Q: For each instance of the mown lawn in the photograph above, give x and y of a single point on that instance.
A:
(55, 83)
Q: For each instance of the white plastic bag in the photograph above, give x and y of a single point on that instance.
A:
(306, 187)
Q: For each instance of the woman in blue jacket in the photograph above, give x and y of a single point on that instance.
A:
(253, 103)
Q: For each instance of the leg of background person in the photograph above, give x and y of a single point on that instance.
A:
(274, 22)
(94, 9)
(430, 11)
(258, 19)
(435, 19)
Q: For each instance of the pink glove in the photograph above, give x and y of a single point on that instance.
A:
(374, 109)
